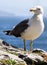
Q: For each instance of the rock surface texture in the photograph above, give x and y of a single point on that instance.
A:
(20, 57)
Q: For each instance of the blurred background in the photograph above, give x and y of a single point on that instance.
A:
(13, 12)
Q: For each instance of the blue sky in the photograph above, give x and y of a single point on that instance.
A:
(20, 7)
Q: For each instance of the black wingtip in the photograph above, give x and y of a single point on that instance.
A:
(7, 32)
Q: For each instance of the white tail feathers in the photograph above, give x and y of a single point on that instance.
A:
(7, 32)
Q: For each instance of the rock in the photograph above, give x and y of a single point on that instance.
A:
(37, 57)
(43, 53)
(38, 51)
(33, 58)
(40, 63)
(4, 56)
(3, 42)
(22, 56)
(11, 56)
(1, 63)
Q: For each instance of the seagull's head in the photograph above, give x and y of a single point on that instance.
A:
(37, 10)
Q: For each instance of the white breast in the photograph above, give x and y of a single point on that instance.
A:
(34, 30)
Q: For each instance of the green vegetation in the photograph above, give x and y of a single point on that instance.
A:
(8, 62)
(11, 62)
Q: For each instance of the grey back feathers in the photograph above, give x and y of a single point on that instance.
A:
(18, 29)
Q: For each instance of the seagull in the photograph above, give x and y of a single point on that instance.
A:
(29, 29)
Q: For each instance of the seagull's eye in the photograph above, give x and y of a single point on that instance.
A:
(38, 8)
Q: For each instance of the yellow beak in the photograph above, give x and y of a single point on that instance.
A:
(32, 10)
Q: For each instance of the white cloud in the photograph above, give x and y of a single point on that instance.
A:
(20, 6)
